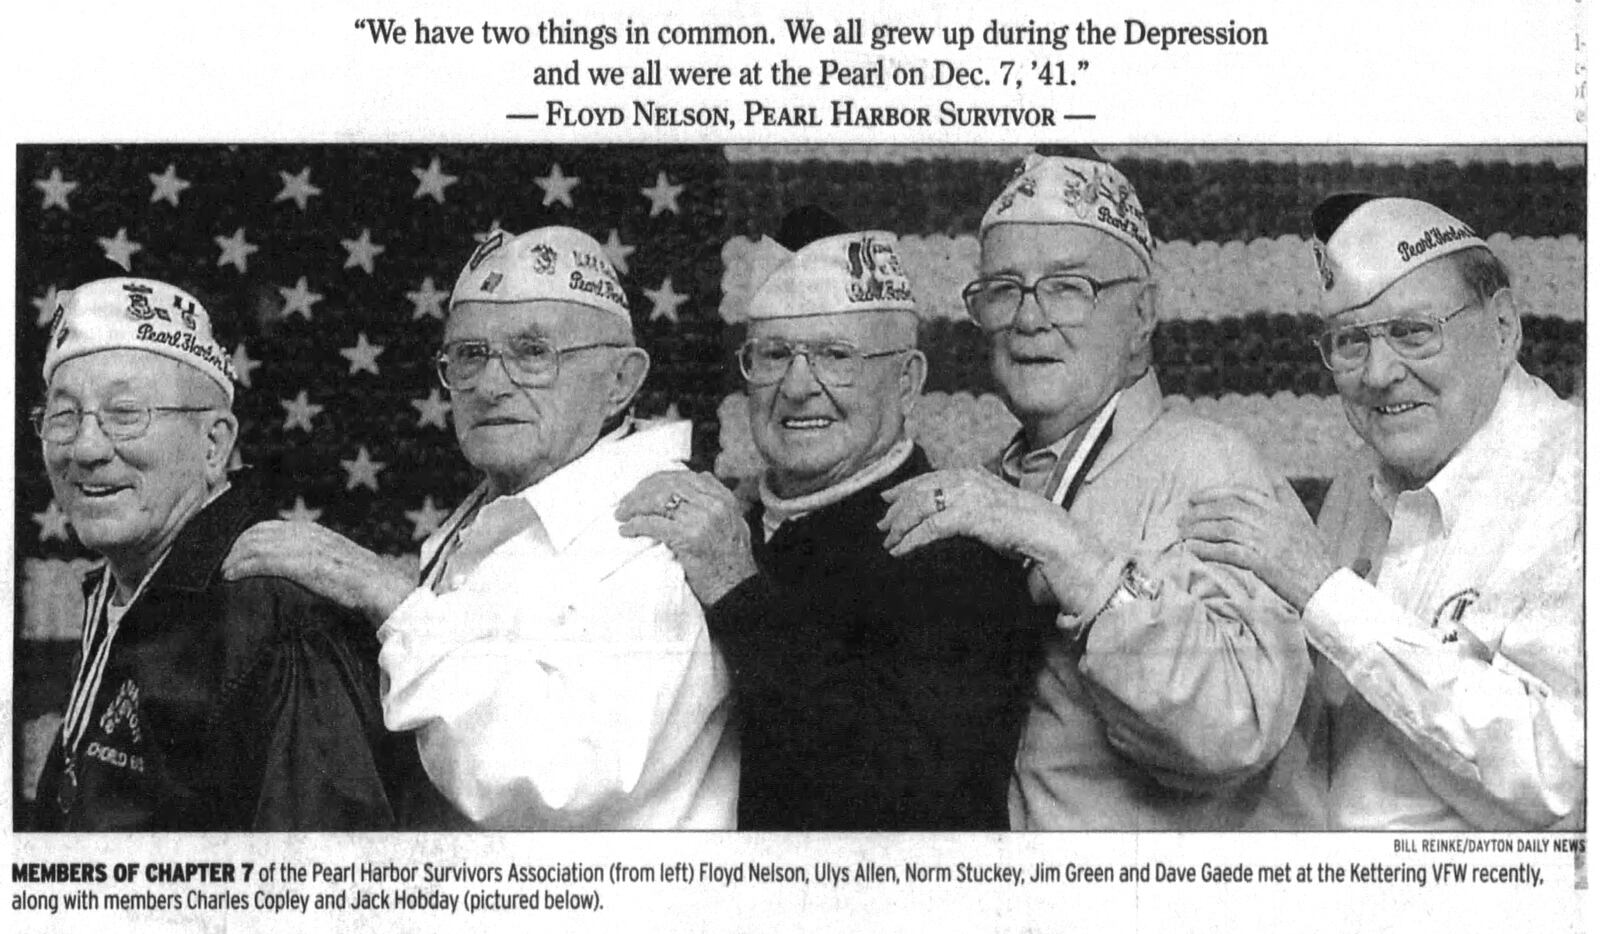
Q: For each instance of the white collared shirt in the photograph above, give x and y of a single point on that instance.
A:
(564, 677)
(1457, 676)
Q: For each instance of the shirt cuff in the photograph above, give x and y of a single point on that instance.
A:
(1345, 616)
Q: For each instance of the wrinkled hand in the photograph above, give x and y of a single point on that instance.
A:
(977, 504)
(1269, 536)
(322, 561)
(700, 520)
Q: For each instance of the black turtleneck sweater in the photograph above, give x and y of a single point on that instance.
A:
(876, 693)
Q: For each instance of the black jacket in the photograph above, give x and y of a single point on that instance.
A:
(243, 705)
(876, 693)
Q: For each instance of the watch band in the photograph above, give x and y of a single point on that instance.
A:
(1131, 586)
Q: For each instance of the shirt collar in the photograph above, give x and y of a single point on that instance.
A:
(1016, 461)
(586, 490)
(198, 550)
(776, 510)
(1138, 405)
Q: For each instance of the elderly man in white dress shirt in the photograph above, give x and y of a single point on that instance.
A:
(1447, 599)
(558, 675)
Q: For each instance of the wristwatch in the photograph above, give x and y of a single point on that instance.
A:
(1132, 585)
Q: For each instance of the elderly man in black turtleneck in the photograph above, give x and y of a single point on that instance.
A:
(875, 693)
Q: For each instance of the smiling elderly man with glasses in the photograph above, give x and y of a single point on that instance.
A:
(1445, 593)
(874, 693)
(1171, 684)
(198, 704)
(558, 675)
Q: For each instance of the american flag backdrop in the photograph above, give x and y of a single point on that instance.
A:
(326, 269)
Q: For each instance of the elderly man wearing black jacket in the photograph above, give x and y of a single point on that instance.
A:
(197, 704)
(875, 693)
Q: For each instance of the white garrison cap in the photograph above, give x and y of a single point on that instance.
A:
(136, 314)
(1073, 190)
(551, 264)
(839, 274)
(1364, 244)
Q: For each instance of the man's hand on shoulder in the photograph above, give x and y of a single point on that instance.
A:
(979, 505)
(322, 561)
(701, 521)
(1272, 537)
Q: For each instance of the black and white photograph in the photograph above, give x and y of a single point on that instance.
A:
(410, 527)
(1003, 473)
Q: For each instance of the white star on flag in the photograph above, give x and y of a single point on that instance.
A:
(168, 186)
(52, 523)
(297, 188)
(120, 249)
(432, 410)
(363, 471)
(56, 189)
(432, 182)
(362, 251)
(243, 366)
(363, 356)
(617, 251)
(46, 306)
(236, 250)
(664, 196)
(665, 301)
(557, 187)
(298, 300)
(301, 410)
(426, 301)
(300, 513)
(426, 521)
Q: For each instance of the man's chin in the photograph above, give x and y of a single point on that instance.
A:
(1036, 403)
(498, 453)
(798, 476)
(1410, 464)
(100, 536)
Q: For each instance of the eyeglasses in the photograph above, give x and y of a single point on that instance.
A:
(120, 422)
(1414, 337)
(1066, 299)
(834, 363)
(530, 362)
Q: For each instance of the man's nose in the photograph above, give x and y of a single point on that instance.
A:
(1031, 318)
(495, 381)
(799, 380)
(1383, 367)
(90, 445)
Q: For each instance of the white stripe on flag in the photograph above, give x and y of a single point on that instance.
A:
(1199, 281)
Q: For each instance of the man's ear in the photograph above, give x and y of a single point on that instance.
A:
(1508, 326)
(1147, 309)
(913, 374)
(628, 377)
(222, 433)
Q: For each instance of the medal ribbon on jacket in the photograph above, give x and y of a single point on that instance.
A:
(433, 567)
(99, 631)
(1069, 472)
(1067, 476)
